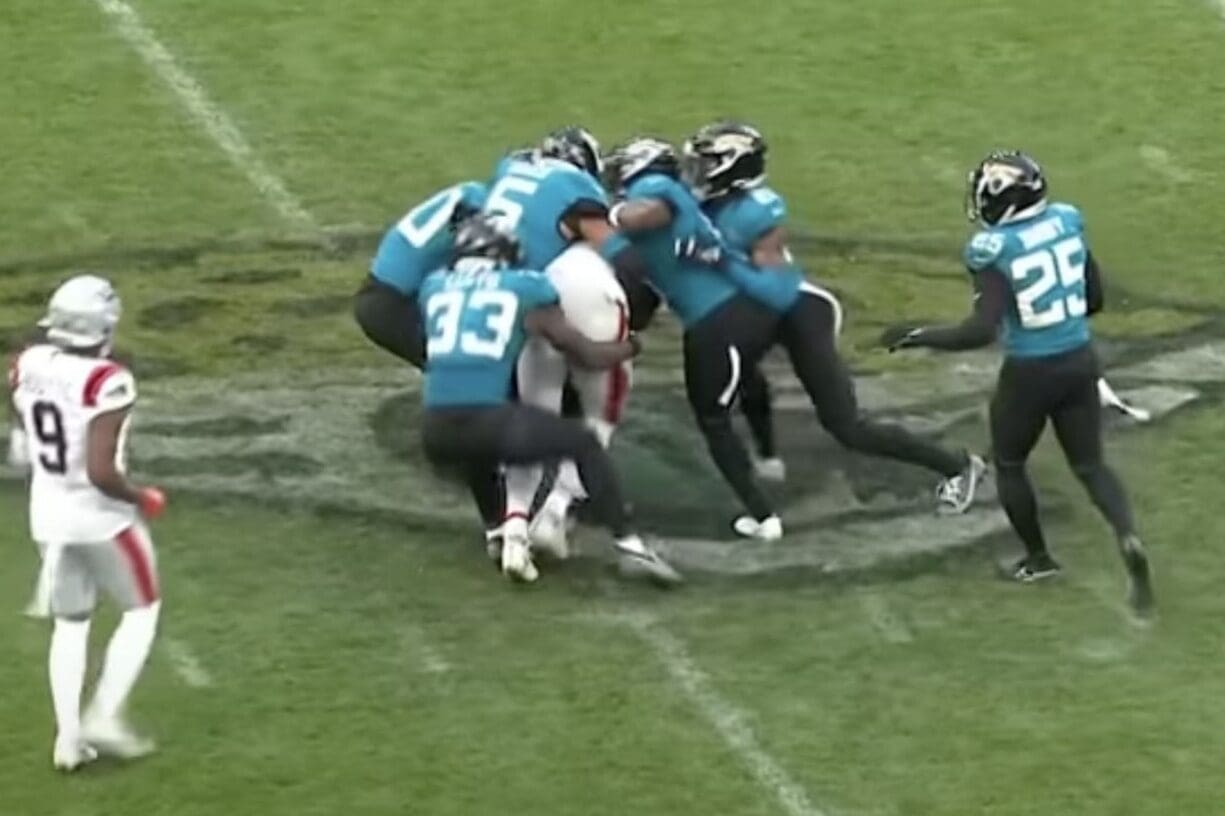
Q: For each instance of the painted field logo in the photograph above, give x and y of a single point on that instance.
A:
(346, 438)
(349, 441)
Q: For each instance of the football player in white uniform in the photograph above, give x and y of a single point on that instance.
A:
(86, 516)
(594, 303)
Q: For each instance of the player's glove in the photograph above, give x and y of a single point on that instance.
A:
(696, 249)
(901, 337)
(152, 502)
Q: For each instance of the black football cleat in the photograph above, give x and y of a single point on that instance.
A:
(1140, 595)
(1033, 568)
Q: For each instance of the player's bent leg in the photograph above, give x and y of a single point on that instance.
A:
(809, 333)
(1017, 418)
(712, 379)
(66, 592)
(391, 321)
(530, 434)
(461, 443)
(1078, 428)
(594, 303)
(127, 571)
(757, 405)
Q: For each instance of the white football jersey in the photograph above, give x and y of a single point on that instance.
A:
(57, 394)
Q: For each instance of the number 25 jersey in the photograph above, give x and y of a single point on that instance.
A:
(1042, 259)
(57, 395)
(474, 332)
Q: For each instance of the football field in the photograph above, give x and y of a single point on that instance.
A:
(334, 640)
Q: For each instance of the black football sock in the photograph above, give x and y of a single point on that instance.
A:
(1021, 506)
(1108, 495)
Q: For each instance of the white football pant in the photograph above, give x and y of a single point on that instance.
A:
(595, 304)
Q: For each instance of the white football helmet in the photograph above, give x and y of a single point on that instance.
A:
(83, 314)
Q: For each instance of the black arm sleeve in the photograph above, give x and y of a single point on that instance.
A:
(980, 328)
(631, 269)
(1095, 293)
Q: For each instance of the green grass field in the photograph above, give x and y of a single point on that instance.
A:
(334, 641)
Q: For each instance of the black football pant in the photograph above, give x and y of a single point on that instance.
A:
(391, 320)
(720, 350)
(1063, 389)
(474, 441)
(809, 333)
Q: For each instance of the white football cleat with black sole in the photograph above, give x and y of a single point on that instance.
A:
(956, 493)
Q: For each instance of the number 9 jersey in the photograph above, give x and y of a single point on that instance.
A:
(1042, 259)
(475, 332)
(57, 394)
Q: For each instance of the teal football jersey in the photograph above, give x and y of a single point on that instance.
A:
(743, 218)
(1043, 259)
(535, 195)
(423, 240)
(692, 289)
(474, 331)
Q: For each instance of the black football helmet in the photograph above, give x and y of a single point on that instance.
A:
(489, 236)
(722, 158)
(1006, 185)
(576, 145)
(638, 155)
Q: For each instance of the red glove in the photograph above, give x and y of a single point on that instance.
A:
(152, 502)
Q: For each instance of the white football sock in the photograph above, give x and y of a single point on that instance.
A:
(125, 658)
(521, 485)
(66, 671)
(568, 485)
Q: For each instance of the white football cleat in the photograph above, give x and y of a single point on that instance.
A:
(112, 737)
(955, 494)
(636, 560)
(773, 469)
(769, 529)
(517, 560)
(70, 754)
(548, 532)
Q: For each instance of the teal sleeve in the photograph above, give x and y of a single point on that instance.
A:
(614, 246)
(983, 250)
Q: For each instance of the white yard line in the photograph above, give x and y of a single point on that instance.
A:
(729, 721)
(207, 115)
(186, 665)
(1161, 162)
(884, 620)
(1219, 5)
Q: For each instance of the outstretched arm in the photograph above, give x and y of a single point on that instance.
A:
(977, 330)
(550, 323)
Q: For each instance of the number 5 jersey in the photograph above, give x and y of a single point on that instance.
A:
(57, 394)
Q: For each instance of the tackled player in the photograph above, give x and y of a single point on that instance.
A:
(478, 316)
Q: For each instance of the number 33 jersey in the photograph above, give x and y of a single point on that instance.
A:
(57, 394)
(474, 332)
(1043, 261)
